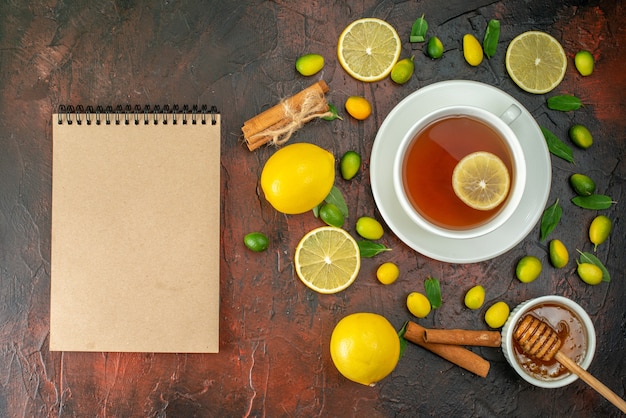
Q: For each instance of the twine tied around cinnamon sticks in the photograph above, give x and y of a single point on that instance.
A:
(277, 124)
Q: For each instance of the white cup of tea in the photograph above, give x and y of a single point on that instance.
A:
(428, 154)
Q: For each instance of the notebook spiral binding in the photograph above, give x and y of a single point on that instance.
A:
(138, 115)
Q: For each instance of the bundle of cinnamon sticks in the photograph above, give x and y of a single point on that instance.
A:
(448, 344)
(278, 123)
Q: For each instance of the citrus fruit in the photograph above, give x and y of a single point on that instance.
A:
(350, 164)
(582, 185)
(580, 136)
(256, 241)
(387, 273)
(497, 314)
(536, 62)
(481, 180)
(331, 214)
(589, 273)
(558, 254)
(358, 107)
(472, 50)
(364, 347)
(309, 64)
(327, 259)
(298, 177)
(475, 297)
(599, 230)
(403, 70)
(368, 48)
(583, 60)
(528, 269)
(369, 228)
(418, 304)
(434, 48)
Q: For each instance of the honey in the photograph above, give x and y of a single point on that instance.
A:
(572, 335)
(430, 160)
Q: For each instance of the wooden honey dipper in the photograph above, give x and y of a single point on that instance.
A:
(540, 341)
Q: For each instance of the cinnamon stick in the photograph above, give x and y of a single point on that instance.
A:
(257, 130)
(458, 355)
(463, 337)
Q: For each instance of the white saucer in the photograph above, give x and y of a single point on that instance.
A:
(538, 168)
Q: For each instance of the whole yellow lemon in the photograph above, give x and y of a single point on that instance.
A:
(365, 347)
(298, 177)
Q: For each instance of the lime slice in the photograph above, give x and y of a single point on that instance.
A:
(536, 62)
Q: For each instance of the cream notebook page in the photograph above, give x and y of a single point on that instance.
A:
(135, 234)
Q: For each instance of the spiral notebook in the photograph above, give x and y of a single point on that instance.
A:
(135, 230)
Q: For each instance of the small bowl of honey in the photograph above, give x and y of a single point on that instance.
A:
(574, 329)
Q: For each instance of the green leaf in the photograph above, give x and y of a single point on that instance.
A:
(418, 30)
(403, 342)
(403, 329)
(335, 115)
(557, 147)
(492, 35)
(433, 291)
(594, 201)
(550, 219)
(564, 103)
(590, 258)
(336, 198)
(369, 249)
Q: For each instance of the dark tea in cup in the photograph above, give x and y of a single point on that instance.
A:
(430, 159)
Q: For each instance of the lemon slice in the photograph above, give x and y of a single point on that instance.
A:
(368, 48)
(481, 180)
(536, 62)
(327, 259)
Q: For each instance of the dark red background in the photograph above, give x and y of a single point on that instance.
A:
(274, 358)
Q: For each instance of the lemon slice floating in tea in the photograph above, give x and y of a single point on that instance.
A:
(536, 62)
(327, 259)
(481, 180)
(368, 49)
